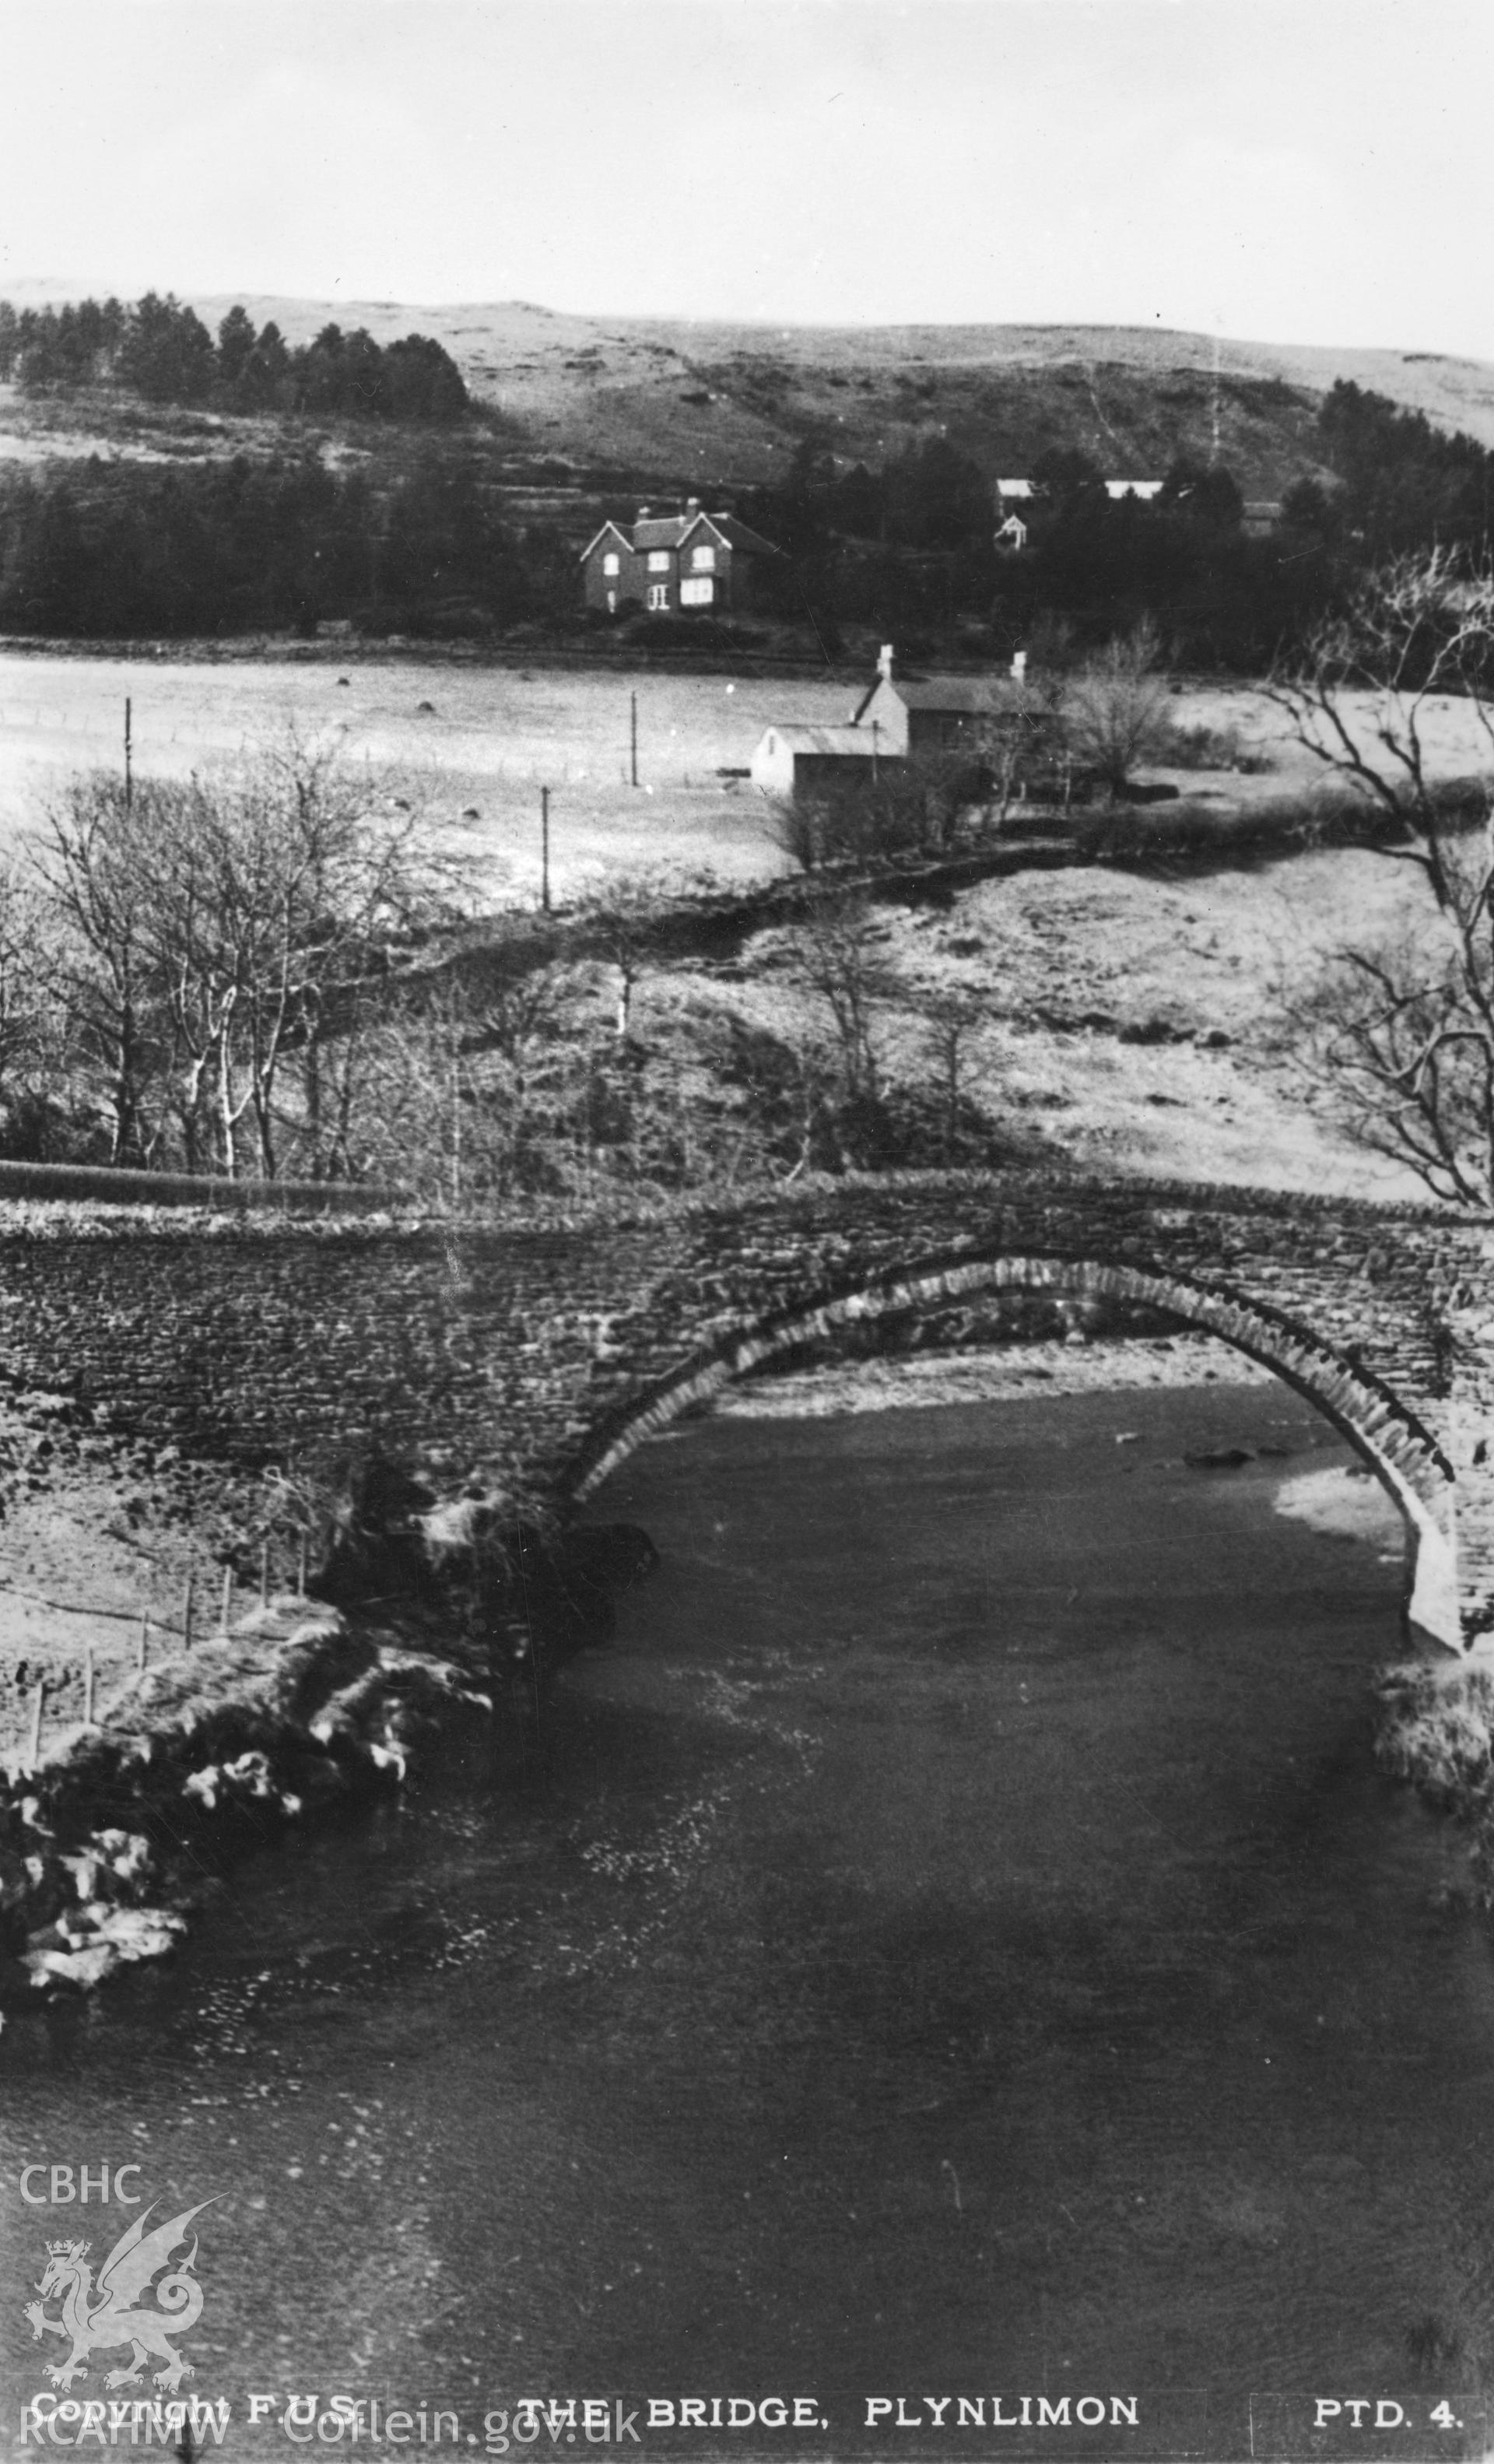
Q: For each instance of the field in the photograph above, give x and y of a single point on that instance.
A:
(475, 745)
(478, 754)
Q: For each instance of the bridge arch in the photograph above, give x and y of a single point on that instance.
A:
(1388, 1438)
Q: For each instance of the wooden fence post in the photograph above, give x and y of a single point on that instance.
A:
(186, 1615)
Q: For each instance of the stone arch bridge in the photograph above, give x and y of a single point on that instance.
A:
(545, 1351)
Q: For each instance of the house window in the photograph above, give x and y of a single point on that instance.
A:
(658, 560)
(611, 564)
(658, 595)
(703, 559)
(696, 594)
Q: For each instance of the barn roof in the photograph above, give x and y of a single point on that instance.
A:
(855, 743)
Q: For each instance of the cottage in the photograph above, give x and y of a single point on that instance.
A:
(687, 564)
(906, 715)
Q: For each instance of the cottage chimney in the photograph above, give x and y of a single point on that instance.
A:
(1019, 666)
(693, 504)
(642, 513)
(884, 661)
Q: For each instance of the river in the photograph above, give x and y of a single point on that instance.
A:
(954, 1937)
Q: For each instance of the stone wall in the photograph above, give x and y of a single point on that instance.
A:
(543, 1351)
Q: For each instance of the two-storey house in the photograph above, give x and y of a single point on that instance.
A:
(688, 563)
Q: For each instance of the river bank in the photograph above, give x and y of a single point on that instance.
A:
(113, 1833)
(956, 1936)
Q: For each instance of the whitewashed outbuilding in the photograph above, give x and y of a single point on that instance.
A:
(789, 758)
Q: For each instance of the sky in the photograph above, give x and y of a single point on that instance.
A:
(1311, 172)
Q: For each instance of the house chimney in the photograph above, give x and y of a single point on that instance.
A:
(693, 504)
(885, 661)
(642, 513)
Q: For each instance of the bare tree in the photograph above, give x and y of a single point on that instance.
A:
(1401, 1029)
(33, 1015)
(623, 914)
(214, 928)
(955, 1020)
(89, 861)
(1116, 709)
(844, 962)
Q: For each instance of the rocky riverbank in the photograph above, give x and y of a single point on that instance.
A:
(114, 1832)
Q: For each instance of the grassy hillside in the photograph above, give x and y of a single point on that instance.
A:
(716, 404)
(629, 390)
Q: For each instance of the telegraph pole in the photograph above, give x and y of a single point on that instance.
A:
(130, 779)
(633, 738)
(544, 849)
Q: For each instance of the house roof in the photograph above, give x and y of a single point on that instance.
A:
(739, 535)
(592, 543)
(663, 530)
(958, 696)
(854, 742)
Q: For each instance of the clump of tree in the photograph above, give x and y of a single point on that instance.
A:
(238, 546)
(1116, 714)
(159, 348)
(1399, 1028)
(208, 943)
(1400, 486)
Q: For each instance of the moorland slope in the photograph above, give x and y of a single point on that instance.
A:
(727, 405)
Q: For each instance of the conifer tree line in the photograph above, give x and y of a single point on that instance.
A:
(910, 545)
(160, 349)
(128, 549)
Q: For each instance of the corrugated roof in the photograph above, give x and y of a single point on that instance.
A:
(854, 742)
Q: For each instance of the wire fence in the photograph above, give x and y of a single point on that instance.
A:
(178, 1636)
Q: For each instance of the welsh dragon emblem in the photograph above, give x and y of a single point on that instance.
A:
(108, 2313)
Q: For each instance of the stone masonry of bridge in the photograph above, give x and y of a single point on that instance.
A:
(537, 1355)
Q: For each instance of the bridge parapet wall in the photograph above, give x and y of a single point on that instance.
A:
(252, 1341)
